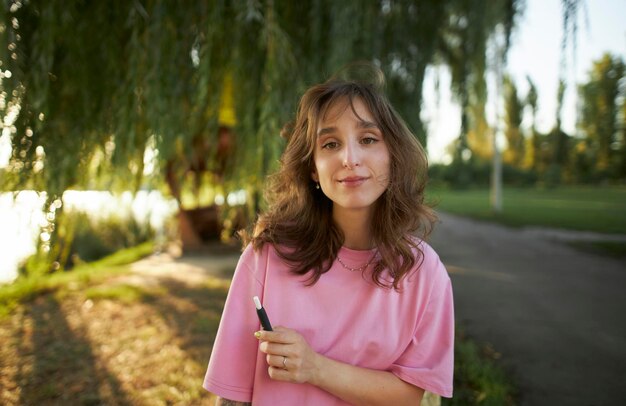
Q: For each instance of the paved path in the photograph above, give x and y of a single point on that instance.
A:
(557, 316)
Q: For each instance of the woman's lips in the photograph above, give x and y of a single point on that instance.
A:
(353, 181)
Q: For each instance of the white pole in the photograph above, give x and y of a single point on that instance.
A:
(496, 175)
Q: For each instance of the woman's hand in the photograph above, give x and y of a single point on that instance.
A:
(291, 359)
(289, 356)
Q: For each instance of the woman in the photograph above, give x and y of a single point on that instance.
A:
(362, 306)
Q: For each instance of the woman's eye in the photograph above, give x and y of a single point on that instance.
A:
(330, 145)
(368, 140)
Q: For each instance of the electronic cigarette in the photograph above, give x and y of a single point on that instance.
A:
(260, 311)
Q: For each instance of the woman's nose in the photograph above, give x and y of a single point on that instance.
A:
(351, 155)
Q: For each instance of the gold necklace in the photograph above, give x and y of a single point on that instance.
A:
(359, 269)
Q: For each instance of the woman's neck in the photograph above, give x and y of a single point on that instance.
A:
(356, 227)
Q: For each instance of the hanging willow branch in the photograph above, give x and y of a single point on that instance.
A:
(92, 77)
(97, 83)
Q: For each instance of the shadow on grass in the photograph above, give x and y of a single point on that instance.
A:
(192, 314)
(114, 343)
(57, 364)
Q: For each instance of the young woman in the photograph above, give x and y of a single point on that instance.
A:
(362, 306)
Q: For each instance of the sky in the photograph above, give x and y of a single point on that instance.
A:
(536, 52)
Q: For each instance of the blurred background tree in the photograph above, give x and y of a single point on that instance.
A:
(532, 142)
(513, 108)
(602, 120)
(594, 153)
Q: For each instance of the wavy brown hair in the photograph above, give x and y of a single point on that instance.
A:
(299, 221)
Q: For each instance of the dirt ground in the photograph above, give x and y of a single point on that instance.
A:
(139, 339)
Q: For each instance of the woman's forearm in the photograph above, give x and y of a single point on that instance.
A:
(362, 386)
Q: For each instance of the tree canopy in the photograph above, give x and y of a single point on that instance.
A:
(115, 95)
(97, 83)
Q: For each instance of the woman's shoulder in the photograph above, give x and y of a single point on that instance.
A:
(252, 256)
(428, 263)
(423, 249)
(252, 253)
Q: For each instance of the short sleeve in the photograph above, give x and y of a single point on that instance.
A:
(428, 360)
(231, 369)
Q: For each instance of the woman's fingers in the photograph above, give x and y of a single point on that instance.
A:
(279, 368)
(288, 355)
(280, 374)
(277, 342)
(274, 348)
(277, 361)
(279, 335)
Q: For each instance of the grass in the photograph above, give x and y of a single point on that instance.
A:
(613, 249)
(598, 209)
(30, 287)
(478, 378)
(112, 343)
(123, 293)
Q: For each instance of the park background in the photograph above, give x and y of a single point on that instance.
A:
(147, 127)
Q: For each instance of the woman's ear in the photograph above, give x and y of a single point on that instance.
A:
(314, 176)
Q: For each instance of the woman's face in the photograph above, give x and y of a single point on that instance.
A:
(351, 157)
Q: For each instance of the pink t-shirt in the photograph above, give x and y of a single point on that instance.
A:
(344, 316)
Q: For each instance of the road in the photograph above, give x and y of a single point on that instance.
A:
(557, 315)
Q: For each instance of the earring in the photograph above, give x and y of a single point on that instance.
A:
(317, 185)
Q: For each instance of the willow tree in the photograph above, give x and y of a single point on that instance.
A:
(464, 48)
(90, 87)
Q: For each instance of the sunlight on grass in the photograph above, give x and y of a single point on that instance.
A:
(123, 293)
(217, 283)
(25, 289)
(107, 344)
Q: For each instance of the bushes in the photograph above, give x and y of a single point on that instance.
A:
(97, 238)
(91, 239)
(513, 176)
(461, 174)
(477, 173)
